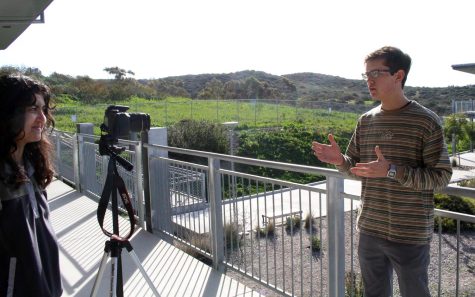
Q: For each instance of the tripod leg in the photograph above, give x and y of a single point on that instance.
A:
(116, 284)
(120, 282)
(136, 260)
(102, 266)
(113, 284)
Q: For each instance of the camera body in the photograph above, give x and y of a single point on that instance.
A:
(118, 123)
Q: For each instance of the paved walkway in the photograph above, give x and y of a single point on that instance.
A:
(173, 272)
(467, 162)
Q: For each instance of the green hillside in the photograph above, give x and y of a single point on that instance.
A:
(294, 89)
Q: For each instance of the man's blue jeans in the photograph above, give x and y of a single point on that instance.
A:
(378, 257)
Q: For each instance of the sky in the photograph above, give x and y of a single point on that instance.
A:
(161, 38)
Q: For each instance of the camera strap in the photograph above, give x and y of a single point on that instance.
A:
(104, 201)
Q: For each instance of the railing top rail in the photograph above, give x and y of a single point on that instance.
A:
(121, 141)
(254, 162)
(459, 191)
(289, 185)
(179, 162)
(455, 215)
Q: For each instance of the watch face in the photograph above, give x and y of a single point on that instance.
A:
(392, 172)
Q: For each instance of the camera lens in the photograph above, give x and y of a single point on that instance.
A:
(139, 122)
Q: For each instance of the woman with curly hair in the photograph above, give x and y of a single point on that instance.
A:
(29, 257)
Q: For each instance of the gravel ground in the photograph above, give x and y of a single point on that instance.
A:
(286, 265)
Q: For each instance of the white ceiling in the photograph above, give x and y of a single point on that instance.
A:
(16, 16)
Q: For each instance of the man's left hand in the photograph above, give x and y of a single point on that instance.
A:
(378, 168)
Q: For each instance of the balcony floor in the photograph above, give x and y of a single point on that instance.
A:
(173, 272)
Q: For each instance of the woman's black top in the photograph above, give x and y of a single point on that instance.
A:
(29, 257)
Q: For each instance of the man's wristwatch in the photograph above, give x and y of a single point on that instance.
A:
(392, 171)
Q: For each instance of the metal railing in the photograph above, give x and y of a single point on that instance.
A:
(295, 239)
(461, 106)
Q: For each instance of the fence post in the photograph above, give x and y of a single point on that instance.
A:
(157, 201)
(336, 236)
(139, 183)
(147, 217)
(216, 217)
(76, 146)
(58, 154)
(85, 163)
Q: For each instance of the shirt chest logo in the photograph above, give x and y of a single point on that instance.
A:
(386, 135)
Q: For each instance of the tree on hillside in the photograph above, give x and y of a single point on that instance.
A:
(88, 90)
(118, 73)
(289, 84)
(253, 88)
(61, 84)
(165, 88)
(214, 89)
(232, 89)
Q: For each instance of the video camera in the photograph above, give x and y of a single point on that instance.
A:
(118, 124)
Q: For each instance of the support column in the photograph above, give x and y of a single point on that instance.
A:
(156, 184)
(336, 236)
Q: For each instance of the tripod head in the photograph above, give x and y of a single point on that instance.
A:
(108, 147)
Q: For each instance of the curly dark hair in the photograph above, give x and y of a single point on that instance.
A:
(17, 92)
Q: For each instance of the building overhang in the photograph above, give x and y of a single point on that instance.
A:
(17, 15)
(469, 68)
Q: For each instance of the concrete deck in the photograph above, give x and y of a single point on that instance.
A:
(173, 272)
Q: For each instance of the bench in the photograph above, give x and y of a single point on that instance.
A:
(271, 218)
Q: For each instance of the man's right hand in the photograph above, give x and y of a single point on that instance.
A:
(328, 153)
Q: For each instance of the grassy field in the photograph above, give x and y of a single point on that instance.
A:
(249, 113)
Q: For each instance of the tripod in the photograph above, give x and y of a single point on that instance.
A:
(113, 246)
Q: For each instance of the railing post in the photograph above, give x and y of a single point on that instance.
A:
(146, 182)
(139, 183)
(86, 164)
(158, 213)
(216, 217)
(83, 177)
(336, 236)
(58, 154)
(76, 146)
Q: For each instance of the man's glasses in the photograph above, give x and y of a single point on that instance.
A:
(374, 73)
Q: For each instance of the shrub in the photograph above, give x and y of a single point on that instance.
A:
(293, 223)
(315, 243)
(198, 135)
(231, 235)
(289, 144)
(456, 204)
(268, 230)
(469, 183)
(309, 222)
(353, 285)
(201, 242)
